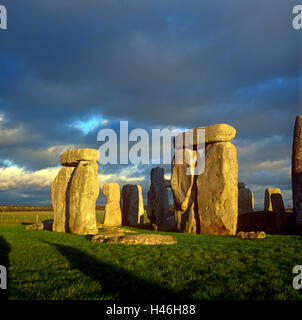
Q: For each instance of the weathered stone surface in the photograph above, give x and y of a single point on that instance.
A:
(277, 203)
(38, 225)
(217, 190)
(58, 195)
(184, 191)
(133, 208)
(141, 208)
(268, 198)
(167, 183)
(47, 224)
(113, 212)
(147, 239)
(241, 185)
(245, 199)
(167, 224)
(251, 235)
(214, 133)
(297, 172)
(73, 156)
(282, 226)
(206, 202)
(105, 235)
(84, 190)
(115, 228)
(158, 200)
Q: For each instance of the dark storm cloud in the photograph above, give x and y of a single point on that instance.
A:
(146, 60)
(179, 63)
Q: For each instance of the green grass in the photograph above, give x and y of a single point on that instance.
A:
(49, 265)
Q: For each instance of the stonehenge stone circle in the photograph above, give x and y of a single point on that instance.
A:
(213, 134)
(184, 191)
(133, 205)
(60, 202)
(245, 199)
(158, 201)
(279, 212)
(145, 239)
(268, 198)
(113, 212)
(297, 172)
(207, 203)
(74, 192)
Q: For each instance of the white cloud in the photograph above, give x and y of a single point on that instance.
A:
(19, 178)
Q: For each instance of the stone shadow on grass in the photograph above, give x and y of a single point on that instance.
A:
(4, 261)
(116, 281)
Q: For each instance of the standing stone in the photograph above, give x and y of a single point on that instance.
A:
(113, 213)
(183, 188)
(268, 198)
(74, 192)
(245, 199)
(133, 207)
(207, 202)
(141, 208)
(158, 200)
(297, 172)
(59, 189)
(279, 212)
(217, 190)
(84, 190)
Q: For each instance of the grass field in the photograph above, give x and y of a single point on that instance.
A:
(30, 216)
(49, 265)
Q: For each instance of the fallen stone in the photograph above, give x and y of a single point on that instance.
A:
(105, 235)
(146, 239)
(35, 226)
(251, 235)
(114, 228)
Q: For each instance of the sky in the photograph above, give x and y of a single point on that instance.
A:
(71, 68)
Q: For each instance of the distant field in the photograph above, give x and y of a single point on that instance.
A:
(48, 265)
(30, 216)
